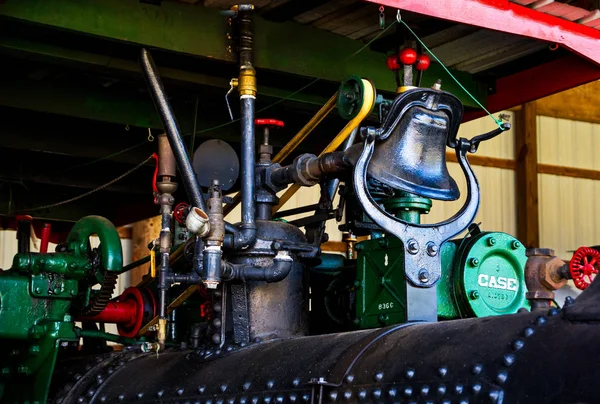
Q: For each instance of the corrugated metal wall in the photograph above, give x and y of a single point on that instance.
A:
(569, 207)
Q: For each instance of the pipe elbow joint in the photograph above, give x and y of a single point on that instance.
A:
(245, 237)
(282, 266)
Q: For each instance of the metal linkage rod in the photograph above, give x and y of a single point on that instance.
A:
(171, 128)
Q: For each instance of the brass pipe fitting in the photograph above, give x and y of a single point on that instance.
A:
(246, 83)
(543, 275)
(162, 332)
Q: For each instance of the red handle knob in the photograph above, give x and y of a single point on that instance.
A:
(584, 266)
(407, 56)
(423, 62)
(269, 122)
(393, 63)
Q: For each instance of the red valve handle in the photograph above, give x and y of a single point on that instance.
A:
(178, 212)
(269, 122)
(584, 266)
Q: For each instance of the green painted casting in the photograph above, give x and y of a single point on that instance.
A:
(380, 285)
(408, 207)
(489, 275)
(110, 242)
(36, 296)
(350, 97)
(75, 266)
(482, 275)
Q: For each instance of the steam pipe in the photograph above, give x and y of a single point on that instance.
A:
(171, 128)
(307, 169)
(333, 184)
(246, 84)
(278, 271)
(248, 159)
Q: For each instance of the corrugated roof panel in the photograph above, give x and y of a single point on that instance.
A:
(500, 55)
(322, 10)
(564, 11)
(471, 46)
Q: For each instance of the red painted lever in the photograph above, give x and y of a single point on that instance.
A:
(45, 238)
(269, 122)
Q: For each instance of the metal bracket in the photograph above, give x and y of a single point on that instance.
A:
(239, 309)
(422, 242)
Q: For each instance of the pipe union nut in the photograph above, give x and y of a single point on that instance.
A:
(197, 222)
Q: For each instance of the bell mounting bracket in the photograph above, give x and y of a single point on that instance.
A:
(422, 242)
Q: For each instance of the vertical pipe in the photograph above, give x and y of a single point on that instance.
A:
(248, 158)
(247, 91)
(171, 128)
(23, 233)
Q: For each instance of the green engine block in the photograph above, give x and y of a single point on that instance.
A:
(36, 298)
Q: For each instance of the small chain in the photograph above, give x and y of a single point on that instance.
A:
(101, 187)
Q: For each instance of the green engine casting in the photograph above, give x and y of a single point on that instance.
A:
(483, 275)
(37, 296)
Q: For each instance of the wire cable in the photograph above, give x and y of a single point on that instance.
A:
(101, 187)
(496, 120)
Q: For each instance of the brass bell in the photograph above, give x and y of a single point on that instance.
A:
(410, 149)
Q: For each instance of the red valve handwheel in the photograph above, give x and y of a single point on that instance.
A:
(179, 212)
(407, 56)
(393, 63)
(269, 122)
(584, 266)
(423, 62)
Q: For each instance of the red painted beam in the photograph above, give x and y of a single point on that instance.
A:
(539, 82)
(504, 16)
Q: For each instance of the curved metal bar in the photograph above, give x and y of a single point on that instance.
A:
(422, 242)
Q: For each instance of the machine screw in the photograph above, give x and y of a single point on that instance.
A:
(37, 291)
(423, 275)
(491, 241)
(474, 294)
(432, 249)
(515, 245)
(474, 262)
(412, 246)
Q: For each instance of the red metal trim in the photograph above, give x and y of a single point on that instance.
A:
(504, 16)
(539, 82)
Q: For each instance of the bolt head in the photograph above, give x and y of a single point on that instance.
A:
(491, 241)
(412, 246)
(474, 294)
(423, 275)
(474, 262)
(432, 249)
(515, 245)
